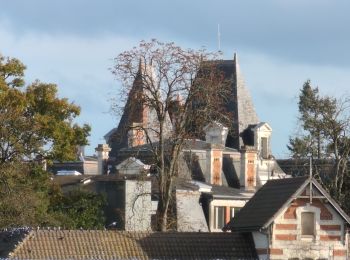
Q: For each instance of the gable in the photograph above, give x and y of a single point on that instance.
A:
(277, 196)
(263, 127)
(265, 204)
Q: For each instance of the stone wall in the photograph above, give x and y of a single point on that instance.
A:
(138, 205)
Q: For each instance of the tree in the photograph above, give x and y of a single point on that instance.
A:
(170, 82)
(24, 196)
(78, 209)
(325, 122)
(34, 120)
(35, 125)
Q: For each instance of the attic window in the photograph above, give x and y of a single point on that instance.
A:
(264, 147)
(307, 223)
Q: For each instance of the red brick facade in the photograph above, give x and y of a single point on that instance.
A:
(339, 252)
(287, 237)
(330, 227)
(217, 166)
(330, 238)
(286, 226)
(291, 211)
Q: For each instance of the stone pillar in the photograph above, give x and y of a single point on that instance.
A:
(102, 151)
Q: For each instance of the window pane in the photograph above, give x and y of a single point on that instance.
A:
(307, 223)
(219, 217)
(232, 212)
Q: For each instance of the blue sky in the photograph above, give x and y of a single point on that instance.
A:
(280, 44)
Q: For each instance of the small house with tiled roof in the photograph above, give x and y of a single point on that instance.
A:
(294, 218)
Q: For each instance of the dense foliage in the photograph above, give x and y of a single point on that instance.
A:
(36, 126)
(34, 120)
(79, 209)
(325, 123)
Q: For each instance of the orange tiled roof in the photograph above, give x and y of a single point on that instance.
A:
(76, 244)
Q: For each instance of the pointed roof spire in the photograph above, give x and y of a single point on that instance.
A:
(140, 64)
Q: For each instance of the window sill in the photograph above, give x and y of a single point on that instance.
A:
(307, 238)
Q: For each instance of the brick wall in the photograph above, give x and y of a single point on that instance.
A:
(328, 240)
(287, 241)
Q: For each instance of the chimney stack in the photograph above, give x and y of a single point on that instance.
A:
(102, 157)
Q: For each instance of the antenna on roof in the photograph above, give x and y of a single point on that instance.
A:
(310, 184)
(219, 40)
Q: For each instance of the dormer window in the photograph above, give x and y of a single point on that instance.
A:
(307, 224)
(215, 133)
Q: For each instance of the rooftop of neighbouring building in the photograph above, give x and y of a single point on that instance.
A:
(97, 244)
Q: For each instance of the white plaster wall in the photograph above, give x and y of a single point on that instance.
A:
(261, 241)
(138, 205)
(263, 170)
(90, 167)
(190, 215)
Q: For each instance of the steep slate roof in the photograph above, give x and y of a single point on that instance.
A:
(76, 244)
(270, 199)
(132, 113)
(240, 104)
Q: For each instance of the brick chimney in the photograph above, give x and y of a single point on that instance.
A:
(214, 164)
(249, 160)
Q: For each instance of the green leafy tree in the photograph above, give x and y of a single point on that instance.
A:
(325, 123)
(34, 120)
(79, 209)
(35, 124)
(24, 196)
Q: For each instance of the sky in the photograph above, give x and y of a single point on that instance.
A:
(280, 44)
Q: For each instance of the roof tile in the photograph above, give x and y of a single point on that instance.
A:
(63, 244)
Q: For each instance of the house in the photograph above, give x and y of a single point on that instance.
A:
(294, 218)
(233, 160)
(99, 244)
(86, 165)
(219, 171)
